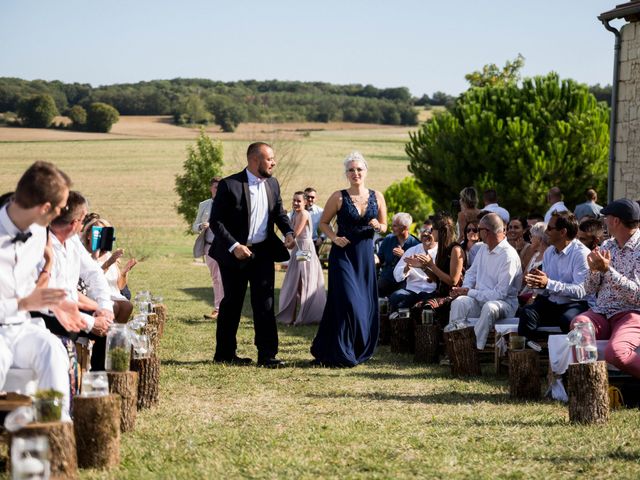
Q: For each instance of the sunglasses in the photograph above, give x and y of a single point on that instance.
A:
(474, 230)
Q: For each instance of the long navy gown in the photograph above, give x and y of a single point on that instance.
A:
(348, 331)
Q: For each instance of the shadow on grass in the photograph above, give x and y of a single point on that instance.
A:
(618, 454)
(448, 398)
(182, 363)
(199, 293)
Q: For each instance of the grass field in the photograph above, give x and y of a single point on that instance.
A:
(388, 418)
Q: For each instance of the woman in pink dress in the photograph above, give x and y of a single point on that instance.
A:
(304, 281)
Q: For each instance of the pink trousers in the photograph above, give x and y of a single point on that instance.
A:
(216, 279)
(623, 332)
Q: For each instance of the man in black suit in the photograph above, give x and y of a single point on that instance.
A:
(245, 209)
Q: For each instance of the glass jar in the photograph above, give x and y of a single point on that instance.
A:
(427, 316)
(118, 348)
(404, 313)
(141, 346)
(383, 305)
(30, 457)
(95, 384)
(583, 338)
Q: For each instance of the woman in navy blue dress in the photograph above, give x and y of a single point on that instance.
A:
(348, 331)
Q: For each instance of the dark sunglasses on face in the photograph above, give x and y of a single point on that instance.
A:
(474, 230)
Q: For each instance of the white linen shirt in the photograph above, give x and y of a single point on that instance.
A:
(18, 267)
(495, 274)
(259, 209)
(566, 271)
(316, 213)
(417, 280)
(71, 261)
(556, 207)
(498, 210)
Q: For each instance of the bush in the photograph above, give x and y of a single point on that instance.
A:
(204, 161)
(101, 117)
(37, 111)
(78, 116)
(519, 140)
(191, 110)
(407, 196)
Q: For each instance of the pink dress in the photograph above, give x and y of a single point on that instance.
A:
(303, 285)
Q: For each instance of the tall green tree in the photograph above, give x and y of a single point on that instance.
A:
(101, 117)
(204, 161)
(492, 75)
(37, 111)
(519, 140)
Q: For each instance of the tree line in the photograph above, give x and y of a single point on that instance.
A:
(200, 101)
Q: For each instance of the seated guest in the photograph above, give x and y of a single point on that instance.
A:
(490, 287)
(72, 262)
(532, 219)
(40, 195)
(554, 198)
(391, 250)
(590, 208)
(591, 232)
(419, 287)
(109, 262)
(490, 199)
(560, 283)
(468, 207)
(515, 237)
(614, 277)
(447, 267)
(533, 260)
(470, 238)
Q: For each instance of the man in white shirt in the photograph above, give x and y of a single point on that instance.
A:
(561, 294)
(71, 261)
(554, 198)
(203, 244)
(419, 287)
(491, 285)
(41, 194)
(315, 211)
(490, 199)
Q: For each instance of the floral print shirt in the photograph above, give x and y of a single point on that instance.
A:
(617, 290)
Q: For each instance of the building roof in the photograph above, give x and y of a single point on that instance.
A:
(630, 11)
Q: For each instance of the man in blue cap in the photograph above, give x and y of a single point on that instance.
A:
(614, 277)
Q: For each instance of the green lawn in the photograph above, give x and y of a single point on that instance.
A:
(388, 418)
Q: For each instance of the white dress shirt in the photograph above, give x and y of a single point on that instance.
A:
(566, 271)
(18, 267)
(417, 280)
(556, 207)
(315, 212)
(495, 274)
(71, 262)
(497, 209)
(259, 209)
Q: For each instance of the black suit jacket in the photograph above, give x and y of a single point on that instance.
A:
(230, 219)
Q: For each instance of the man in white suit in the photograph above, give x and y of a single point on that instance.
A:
(203, 243)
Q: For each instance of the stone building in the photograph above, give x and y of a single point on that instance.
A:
(624, 159)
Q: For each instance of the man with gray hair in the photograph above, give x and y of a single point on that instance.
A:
(491, 285)
(391, 251)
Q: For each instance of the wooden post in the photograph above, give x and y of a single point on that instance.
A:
(524, 374)
(427, 343)
(97, 425)
(402, 337)
(161, 311)
(385, 330)
(462, 352)
(125, 384)
(152, 329)
(62, 446)
(588, 386)
(148, 380)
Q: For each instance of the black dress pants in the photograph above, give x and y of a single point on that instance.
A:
(545, 313)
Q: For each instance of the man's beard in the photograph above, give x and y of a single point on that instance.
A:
(263, 173)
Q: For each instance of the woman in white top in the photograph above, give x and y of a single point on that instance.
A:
(109, 261)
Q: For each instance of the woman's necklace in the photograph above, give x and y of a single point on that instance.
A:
(358, 200)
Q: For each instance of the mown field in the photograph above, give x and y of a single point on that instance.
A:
(388, 418)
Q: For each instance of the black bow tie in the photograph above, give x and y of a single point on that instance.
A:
(21, 237)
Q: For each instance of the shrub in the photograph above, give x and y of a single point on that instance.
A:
(204, 161)
(37, 111)
(407, 196)
(101, 117)
(78, 116)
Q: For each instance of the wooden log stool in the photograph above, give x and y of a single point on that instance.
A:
(462, 352)
(125, 384)
(97, 426)
(384, 338)
(62, 446)
(161, 311)
(427, 338)
(148, 370)
(524, 374)
(152, 329)
(402, 336)
(587, 388)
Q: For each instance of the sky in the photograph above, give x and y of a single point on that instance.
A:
(424, 45)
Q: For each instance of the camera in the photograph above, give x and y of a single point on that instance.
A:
(102, 238)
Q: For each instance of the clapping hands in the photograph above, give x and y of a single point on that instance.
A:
(599, 260)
